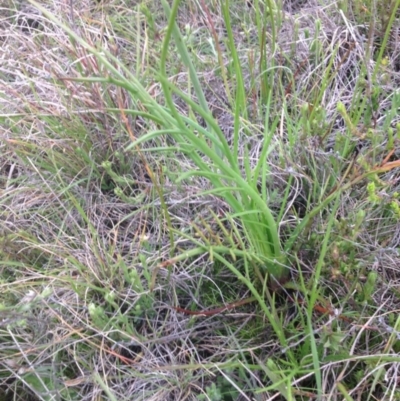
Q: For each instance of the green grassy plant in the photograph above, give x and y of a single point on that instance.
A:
(223, 170)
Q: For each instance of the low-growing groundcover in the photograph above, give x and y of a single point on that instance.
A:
(199, 200)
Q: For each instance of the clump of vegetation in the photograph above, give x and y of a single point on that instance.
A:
(200, 200)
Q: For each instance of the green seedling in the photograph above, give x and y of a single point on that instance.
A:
(369, 287)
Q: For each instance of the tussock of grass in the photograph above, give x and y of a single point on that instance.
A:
(121, 201)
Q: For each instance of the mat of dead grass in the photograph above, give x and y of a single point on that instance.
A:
(86, 288)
